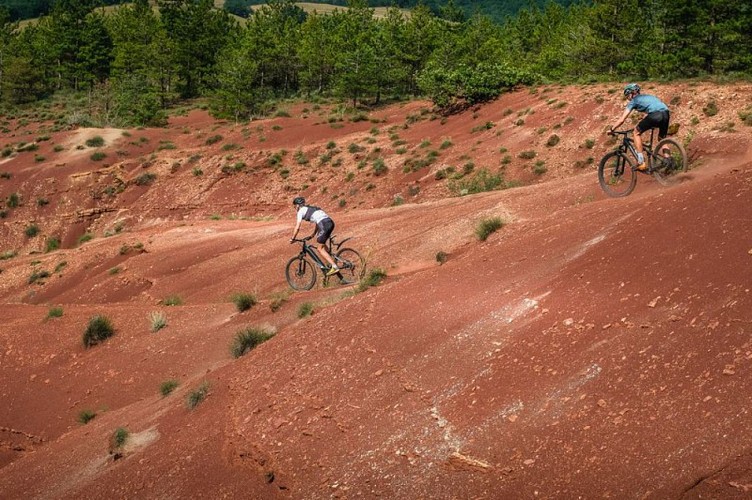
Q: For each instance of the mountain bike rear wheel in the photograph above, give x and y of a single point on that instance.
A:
(351, 265)
(300, 273)
(616, 175)
(668, 161)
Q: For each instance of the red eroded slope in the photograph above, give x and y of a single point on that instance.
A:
(591, 347)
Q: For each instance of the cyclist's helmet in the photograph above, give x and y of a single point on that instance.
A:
(631, 88)
(298, 201)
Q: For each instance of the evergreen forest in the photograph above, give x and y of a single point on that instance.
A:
(134, 62)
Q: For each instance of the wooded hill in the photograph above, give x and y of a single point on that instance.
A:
(136, 61)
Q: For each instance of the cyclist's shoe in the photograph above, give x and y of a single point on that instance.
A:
(642, 167)
(331, 272)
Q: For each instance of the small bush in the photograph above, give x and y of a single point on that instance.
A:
(244, 301)
(379, 167)
(746, 116)
(711, 109)
(55, 312)
(527, 155)
(173, 300)
(248, 339)
(145, 179)
(98, 156)
(13, 201)
(486, 227)
(305, 309)
(119, 438)
(5, 175)
(552, 141)
(86, 416)
(38, 275)
(99, 329)
(166, 387)
(197, 172)
(441, 257)
(95, 142)
(85, 237)
(374, 278)
(8, 254)
(31, 230)
(278, 299)
(213, 139)
(540, 168)
(195, 397)
(158, 320)
(41, 202)
(52, 244)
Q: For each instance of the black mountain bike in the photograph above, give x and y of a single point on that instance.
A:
(301, 270)
(617, 171)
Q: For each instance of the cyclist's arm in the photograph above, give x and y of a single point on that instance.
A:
(621, 120)
(297, 228)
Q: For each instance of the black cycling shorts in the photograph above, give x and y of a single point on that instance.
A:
(326, 227)
(656, 119)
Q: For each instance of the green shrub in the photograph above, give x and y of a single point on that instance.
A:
(86, 416)
(486, 227)
(173, 300)
(746, 116)
(31, 230)
(589, 143)
(278, 299)
(441, 257)
(14, 200)
(5, 175)
(195, 397)
(540, 168)
(244, 301)
(305, 309)
(98, 156)
(213, 139)
(158, 320)
(119, 438)
(95, 142)
(711, 109)
(145, 179)
(85, 237)
(552, 141)
(55, 312)
(166, 387)
(99, 329)
(379, 167)
(374, 278)
(248, 339)
(52, 244)
(527, 155)
(41, 202)
(8, 254)
(38, 275)
(481, 182)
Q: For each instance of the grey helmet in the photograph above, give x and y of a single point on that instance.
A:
(631, 88)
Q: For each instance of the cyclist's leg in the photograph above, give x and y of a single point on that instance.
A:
(325, 229)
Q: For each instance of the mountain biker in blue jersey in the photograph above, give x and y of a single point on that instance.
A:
(324, 227)
(657, 116)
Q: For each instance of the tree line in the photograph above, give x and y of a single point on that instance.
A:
(136, 61)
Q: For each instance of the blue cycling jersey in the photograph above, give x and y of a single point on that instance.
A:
(646, 103)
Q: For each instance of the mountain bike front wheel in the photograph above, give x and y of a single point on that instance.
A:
(300, 273)
(351, 265)
(668, 161)
(616, 175)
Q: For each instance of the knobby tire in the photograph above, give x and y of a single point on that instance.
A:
(300, 273)
(616, 175)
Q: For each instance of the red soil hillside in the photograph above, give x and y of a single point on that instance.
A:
(591, 347)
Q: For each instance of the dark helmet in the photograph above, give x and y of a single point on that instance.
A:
(631, 88)
(298, 201)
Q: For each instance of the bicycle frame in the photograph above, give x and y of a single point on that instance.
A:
(627, 144)
(310, 250)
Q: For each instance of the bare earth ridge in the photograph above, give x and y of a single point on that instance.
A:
(592, 347)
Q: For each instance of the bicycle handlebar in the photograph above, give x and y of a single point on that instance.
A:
(300, 240)
(620, 132)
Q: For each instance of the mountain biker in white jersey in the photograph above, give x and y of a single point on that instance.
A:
(657, 116)
(324, 227)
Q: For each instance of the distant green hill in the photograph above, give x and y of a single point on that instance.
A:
(495, 9)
